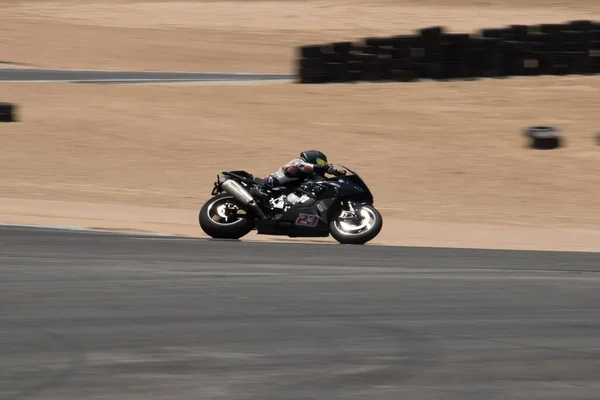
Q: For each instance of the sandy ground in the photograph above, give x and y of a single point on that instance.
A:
(430, 151)
(101, 216)
(447, 161)
(236, 36)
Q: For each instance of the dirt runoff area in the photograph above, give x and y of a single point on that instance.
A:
(446, 161)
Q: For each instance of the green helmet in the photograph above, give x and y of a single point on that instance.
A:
(314, 157)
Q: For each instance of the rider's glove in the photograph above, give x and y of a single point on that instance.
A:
(331, 170)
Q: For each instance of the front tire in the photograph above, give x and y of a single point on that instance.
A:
(357, 231)
(223, 217)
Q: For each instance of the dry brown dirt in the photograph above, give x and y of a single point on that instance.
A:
(235, 36)
(447, 161)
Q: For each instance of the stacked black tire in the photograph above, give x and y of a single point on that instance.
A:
(516, 50)
(7, 112)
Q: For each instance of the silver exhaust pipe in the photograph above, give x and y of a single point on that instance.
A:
(237, 191)
(243, 196)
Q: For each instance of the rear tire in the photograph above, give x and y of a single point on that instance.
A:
(367, 229)
(219, 218)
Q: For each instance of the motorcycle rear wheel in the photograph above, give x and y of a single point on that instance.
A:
(361, 231)
(222, 217)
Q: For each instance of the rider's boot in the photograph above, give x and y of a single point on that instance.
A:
(259, 194)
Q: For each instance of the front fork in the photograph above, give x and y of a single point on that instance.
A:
(351, 212)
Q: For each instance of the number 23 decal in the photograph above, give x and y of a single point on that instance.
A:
(307, 220)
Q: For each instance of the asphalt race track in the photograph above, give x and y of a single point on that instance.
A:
(121, 77)
(87, 315)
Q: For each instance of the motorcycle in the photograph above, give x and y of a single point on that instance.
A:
(341, 206)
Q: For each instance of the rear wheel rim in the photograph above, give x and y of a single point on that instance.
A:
(225, 212)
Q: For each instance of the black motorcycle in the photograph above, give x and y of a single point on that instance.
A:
(341, 207)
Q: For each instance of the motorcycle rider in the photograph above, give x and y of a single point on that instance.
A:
(308, 165)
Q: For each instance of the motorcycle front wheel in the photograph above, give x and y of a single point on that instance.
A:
(222, 217)
(358, 227)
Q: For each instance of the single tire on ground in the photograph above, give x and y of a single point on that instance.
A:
(543, 137)
(7, 112)
(217, 206)
(362, 234)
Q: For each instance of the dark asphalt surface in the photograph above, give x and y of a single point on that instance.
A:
(102, 316)
(108, 77)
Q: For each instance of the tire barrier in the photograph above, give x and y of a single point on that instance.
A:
(515, 50)
(7, 112)
(543, 137)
